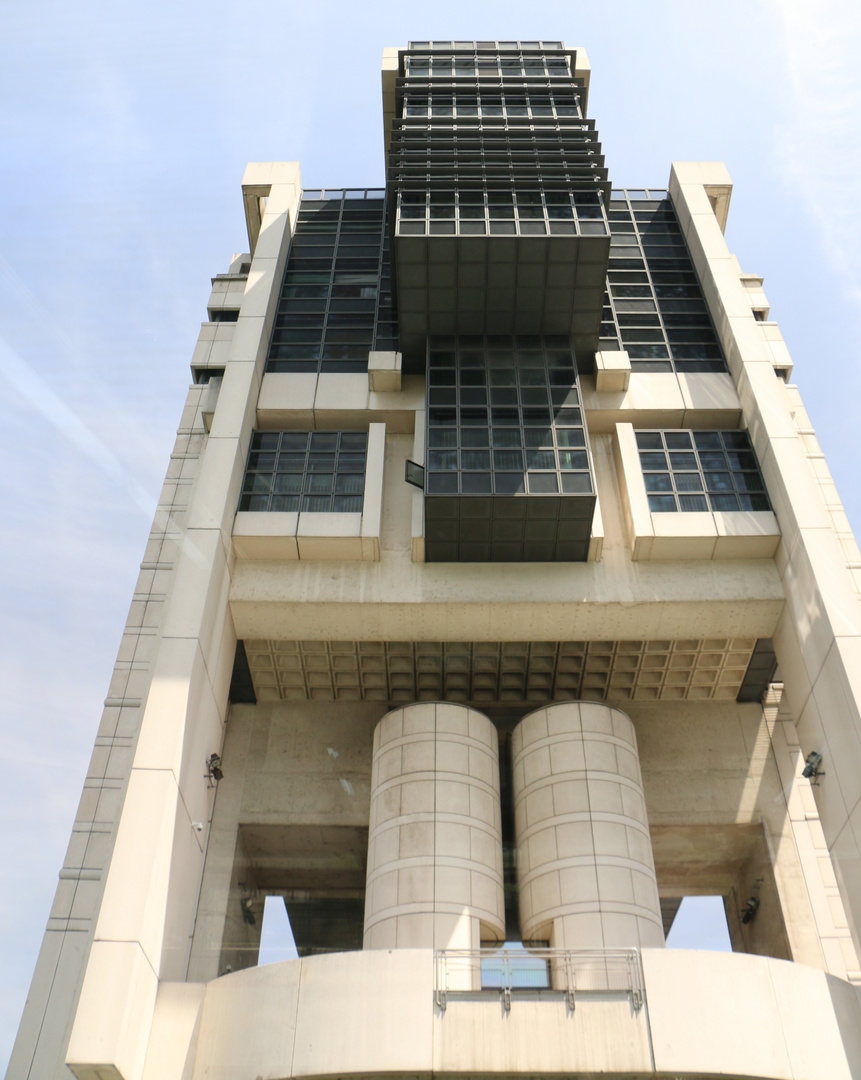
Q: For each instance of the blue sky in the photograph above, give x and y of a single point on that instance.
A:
(125, 129)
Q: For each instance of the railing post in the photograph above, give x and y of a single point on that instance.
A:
(636, 982)
(440, 978)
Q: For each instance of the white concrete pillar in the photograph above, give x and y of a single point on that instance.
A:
(584, 853)
(435, 843)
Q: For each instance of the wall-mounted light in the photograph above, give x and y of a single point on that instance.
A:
(213, 769)
(246, 905)
(248, 916)
(750, 909)
(811, 767)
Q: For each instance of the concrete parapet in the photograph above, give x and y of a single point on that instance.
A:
(704, 1014)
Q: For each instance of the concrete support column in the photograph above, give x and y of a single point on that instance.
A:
(584, 853)
(435, 843)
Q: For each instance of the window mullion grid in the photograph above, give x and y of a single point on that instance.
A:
(674, 472)
(331, 284)
(648, 271)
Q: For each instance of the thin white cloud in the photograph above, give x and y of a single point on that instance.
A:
(45, 401)
(818, 146)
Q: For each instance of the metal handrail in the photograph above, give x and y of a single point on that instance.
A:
(537, 971)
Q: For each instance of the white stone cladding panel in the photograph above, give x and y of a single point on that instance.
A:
(584, 855)
(435, 843)
(839, 520)
(818, 638)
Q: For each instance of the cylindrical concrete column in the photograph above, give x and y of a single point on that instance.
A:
(584, 853)
(435, 842)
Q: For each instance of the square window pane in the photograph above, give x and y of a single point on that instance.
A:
(474, 459)
(509, 483)
(573, 459)
(347, 504)
(442, 460)
(291, 463)
(543, 483)
(442, 395)
(652, 461)
(649, 440)
(284, 504)
(288, 483)
(254, 502)
(442, 437)
(261, 462)
(350, 484)
(683, 461)
(475, 437)
(258, 483)
(533, 437)
(753, 502)
(570, 437)
(688, 481)
(574, 483)
(319, 483)
(540, 459)
(740, 459)
(707, 440)
(658, 482)
(533, 377)
(749, 481)
(507, 459)
(536, 417)
(736, 440)
(442, 483)
(718, 481)
(294, 440)
(265, 440)
(506, 436)
(321, 463)
(476, 483)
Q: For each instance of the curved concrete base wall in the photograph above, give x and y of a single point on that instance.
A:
(435, 842)
(584, 853)
(705, 1015)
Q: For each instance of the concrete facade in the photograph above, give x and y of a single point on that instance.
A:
(426, 759)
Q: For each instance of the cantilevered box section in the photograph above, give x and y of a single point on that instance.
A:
(508, 475)
(497, 195)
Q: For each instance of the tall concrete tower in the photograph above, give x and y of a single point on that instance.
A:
(497, 599)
